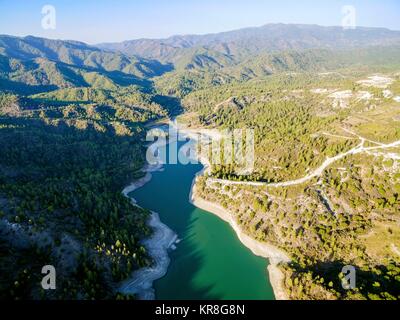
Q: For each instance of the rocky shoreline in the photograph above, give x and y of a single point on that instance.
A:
(262, 249)
(163, 238)
(161, 241)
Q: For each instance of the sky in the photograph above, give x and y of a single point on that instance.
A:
(95, 21)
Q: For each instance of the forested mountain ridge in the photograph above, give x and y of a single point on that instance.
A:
(72, 124)
(71, 130)
(77, 54)
(270, 38)
(200, 71)
(32, 64)
(181, 64)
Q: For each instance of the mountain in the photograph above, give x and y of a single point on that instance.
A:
(213, 59)
(270, 38)
(32, 64)
(77, 54)
(189, 77)
(74, 118)
(181, 64)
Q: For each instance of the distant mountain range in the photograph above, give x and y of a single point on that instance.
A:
(37, 64)
(270, 38)
(31, 64)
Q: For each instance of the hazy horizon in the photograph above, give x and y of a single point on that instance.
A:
(87, 21)
(187, 34)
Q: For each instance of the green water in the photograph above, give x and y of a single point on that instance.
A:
(210, 262)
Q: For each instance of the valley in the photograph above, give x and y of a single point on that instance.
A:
(325, 189)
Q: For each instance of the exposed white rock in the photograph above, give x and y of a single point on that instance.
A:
(341, 98)
(318, 90)
(346, 94)
(376, 81)
(364, 95)
(387, 94)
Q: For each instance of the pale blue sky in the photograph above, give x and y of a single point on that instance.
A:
(95, 21)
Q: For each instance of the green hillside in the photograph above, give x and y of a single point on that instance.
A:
(268, 38)
(73, 119)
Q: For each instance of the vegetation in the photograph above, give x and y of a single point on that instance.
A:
(61, 182)
(72, 120)
(345, 216)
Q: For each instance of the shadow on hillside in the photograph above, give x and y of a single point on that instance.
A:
(172, 104)
(25, 89)
(366, 279)
(68, 181)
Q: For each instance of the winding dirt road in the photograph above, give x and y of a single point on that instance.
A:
(317, 172)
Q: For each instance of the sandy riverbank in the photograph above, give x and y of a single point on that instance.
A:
(157, 246)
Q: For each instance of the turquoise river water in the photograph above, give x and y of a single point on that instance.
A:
(210, 262)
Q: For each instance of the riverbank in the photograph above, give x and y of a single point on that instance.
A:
(141, 282)
(157, 246)
(273, 254)
(262, 249)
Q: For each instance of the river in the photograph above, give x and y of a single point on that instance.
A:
(209, 262)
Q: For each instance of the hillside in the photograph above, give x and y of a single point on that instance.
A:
(325, 187)
(32, 64)
(270, 38)
(73, 120)
(207, 68)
